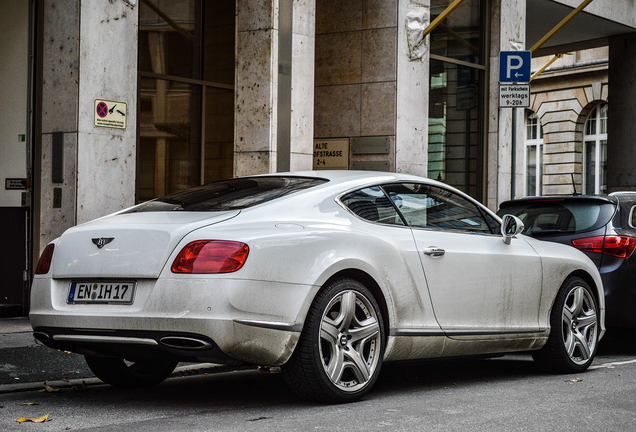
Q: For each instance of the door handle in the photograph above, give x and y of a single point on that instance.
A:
(434, 251)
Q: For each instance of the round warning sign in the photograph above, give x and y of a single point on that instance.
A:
(102, 109)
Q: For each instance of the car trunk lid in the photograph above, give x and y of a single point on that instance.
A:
(126, 245)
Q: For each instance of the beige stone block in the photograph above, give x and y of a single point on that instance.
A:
(562, 168)
(337, 111)
(60, 67)
(256, 15)
(378, 109)
(560, 105)
(338, 16)
(251, 163)
(560, 137)
(560, 116)
(338, 58)
(559, 190)
(304, 20)
(379, 14)
(379, 49)
(560, 158)
(562, 147)
(301, 162)
(255, 98)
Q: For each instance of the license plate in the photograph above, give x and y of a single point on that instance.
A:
(102, 292)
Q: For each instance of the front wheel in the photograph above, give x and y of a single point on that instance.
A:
(339, 354)
(573, 339)
(120, 372)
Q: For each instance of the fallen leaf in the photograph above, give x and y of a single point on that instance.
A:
(81, 387)
(31, 403)
(42, 419)
(49, 389)
(575, 380)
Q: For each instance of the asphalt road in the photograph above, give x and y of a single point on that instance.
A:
(503, 394)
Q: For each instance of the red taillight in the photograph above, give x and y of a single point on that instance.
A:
(616, 246)
(211, 256)
(44, 264)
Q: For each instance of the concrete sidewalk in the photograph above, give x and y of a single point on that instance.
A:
(16, 333)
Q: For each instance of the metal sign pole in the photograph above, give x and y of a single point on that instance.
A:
(513, 156)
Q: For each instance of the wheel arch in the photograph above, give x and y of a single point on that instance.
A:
(370, 283)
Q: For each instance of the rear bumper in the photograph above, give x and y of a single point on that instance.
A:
(224, 321)
(619, 282)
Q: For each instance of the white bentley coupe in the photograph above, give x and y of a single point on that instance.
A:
(326, 274)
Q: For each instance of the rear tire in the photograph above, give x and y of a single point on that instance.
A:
(120, 372)
(573, 339)
(339, 354)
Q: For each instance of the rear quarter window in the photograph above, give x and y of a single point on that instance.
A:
(554, 217)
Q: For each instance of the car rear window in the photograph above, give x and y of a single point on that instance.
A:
(556, 217)
(233, 194)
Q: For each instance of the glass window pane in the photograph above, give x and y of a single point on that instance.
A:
(169, 38)
(460, 35)
(373, 205)
(531, 170)
(455, 141)
(169, 150)
(603, 119)
(219, 134)
(590, 167)
(218, 41)
(425, 206)
(603, 167)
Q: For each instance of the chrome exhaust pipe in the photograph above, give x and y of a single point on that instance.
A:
(42, 336)
(185, 343)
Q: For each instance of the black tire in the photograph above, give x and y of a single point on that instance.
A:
(120, 372)
(573, 339)
(339, 355)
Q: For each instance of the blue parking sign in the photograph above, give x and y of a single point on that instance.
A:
(514, 66)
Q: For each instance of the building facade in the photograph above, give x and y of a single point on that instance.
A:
(106, 103)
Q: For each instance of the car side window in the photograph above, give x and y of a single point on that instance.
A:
(426, 206)
(632, 217)
(373, 205)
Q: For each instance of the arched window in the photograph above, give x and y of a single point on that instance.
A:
(595, 151)
(534, 154)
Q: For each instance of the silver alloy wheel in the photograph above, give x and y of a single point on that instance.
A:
(350, 340)
(579, 325)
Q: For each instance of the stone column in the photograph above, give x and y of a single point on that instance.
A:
(256, 87)
(107, 70)
(621, 152)
(257, 82)
(411, 135)
(508, 20)
(302, 91)
(59, 80)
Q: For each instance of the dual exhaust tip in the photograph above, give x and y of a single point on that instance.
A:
(174, 342)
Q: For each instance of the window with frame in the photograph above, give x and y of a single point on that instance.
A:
(426, 206)
(595, 151)
(534, 155)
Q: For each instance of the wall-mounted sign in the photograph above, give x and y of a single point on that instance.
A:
(110, 114)
(514, 95)
(331, 154)
(16, 183)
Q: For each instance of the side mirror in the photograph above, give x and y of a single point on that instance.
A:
(510, 227)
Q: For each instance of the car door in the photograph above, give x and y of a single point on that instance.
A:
(478, 284)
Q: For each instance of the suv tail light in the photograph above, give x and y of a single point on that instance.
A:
(210, 257)
(616, 246)
(44, 263)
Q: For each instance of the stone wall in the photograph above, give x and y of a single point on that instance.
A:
(356, 72)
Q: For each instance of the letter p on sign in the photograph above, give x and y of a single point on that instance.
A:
(514, 66)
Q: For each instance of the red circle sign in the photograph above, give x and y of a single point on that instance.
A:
(102, 109)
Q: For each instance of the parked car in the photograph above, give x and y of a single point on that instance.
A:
(603, 227)
(326, 274)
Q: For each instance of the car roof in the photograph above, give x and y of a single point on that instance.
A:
(562, 198)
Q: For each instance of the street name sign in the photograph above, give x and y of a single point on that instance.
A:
(514, 66)
(514, 95)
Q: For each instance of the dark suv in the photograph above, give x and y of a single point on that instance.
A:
(603, 227)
